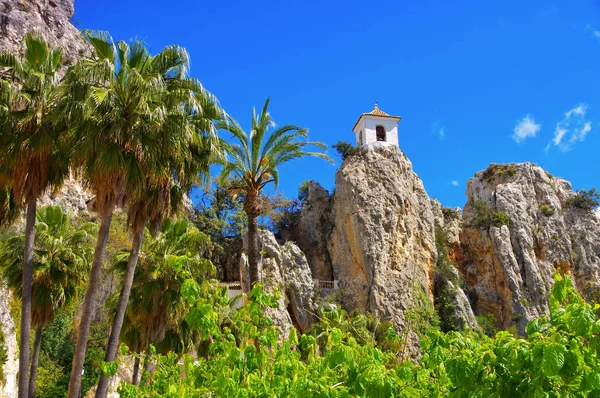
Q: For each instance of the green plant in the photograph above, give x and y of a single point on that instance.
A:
(255, 159)
(451, 214)
(547, 210)
(345, 149)
(498, 172)
(585, 200)
(487, 323)
(499, 219)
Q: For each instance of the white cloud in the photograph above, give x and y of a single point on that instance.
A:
(442, 133)
(597, 33)
(455, 183)
(526, 128)
(573, 128)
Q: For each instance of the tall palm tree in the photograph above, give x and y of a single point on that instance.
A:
(254, 160)
(119, 95)
(156, 310)
(62, 256)
(180, 155)
(33, 154)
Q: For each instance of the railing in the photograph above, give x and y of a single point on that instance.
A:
(233, 285)
(329, 285)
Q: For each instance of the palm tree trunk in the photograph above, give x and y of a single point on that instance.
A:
(113, 340)
(136, 371)
(24, 350)
(253, 248)
(34, 361)
(88, 306)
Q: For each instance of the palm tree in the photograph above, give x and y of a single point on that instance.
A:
(156, 311)
(120, 94)
(33, 156)
(254, 162)
(180, 154)
(61, 262)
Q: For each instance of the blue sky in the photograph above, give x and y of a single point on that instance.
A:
(475, 82)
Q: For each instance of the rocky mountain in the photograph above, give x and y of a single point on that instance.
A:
(520, 226)
(50, 17)
(396, 253)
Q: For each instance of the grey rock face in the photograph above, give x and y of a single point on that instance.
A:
(71, 196)
(453, 305)
(7, 325)
(383, 246)
(50, 17)
(312, 230)
(509, 268)
(285, 268)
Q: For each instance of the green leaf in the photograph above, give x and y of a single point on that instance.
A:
(190, 291)
(110, 368)
(553, 359)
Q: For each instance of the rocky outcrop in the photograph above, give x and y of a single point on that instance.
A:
(50, 17)
(72, 196)
(518, 230)
(383, 243)
(285, 268)
(7, 327)
(312, 229)
(451, 302)
(124, 375)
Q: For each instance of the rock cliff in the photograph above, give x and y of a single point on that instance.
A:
(383, 242)
(312, 229)
(520, 226)
(50, 17)
(285, 268)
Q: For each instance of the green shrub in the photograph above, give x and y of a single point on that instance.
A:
(585, 200)
(487, 323)
(498, 172)
(303, 191)
(345, 149)
(499, 219)
(483, 217)
(547, 210)
(450, 213)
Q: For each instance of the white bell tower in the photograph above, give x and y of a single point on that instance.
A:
(376, 128)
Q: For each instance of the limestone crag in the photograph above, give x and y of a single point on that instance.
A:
(312, 230)
(50, 17)
(7, 325)
(285, 268)
(451, 300)
(518, 229)
(383, 244)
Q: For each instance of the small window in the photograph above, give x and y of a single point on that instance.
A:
(380, 133)
(361, 140)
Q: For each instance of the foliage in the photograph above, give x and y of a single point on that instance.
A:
(499, 219)
(57, 354)
(445, 282)
(488, 324)
(498, 172)
(547, 210)
(281, 213)
(342, 357)
(303, 190)
(345, 149)
(585, 200)
(168, 263)
(451, 214)
(218, 213)
(483, 217)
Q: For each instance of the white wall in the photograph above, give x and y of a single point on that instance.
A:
(368, 125)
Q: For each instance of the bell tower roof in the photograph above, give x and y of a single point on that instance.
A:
(376, 112)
